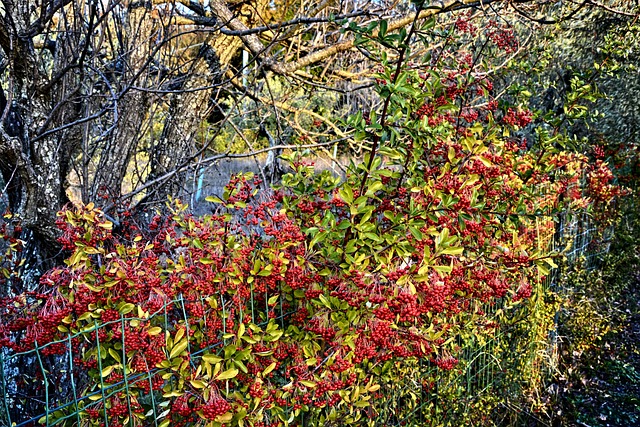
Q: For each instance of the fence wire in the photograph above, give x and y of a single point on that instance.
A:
(492, 373)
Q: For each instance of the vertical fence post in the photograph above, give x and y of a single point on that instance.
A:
(104, 399)
(124, 370)
(153, 399)
(186, 325)
(46, 382)
(73, 383)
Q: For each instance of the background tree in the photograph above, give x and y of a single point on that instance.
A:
(105, 99)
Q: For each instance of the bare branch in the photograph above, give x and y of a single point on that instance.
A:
(614, 10)
(257, 47)
(211, 159)
(281, 25)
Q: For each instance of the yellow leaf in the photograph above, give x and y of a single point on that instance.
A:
(154, 331)
(173, 393)
(107, 225)
(85, 316)
(309, 384)
(228, 374)
(211, 358)
(126, 308)
(115, 355)
(178, 348)
(224, 418)
(268, 369)
(179, 334)
(241, 330)
(198, 383)
(106, 371)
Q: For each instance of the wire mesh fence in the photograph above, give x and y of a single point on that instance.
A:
(493, 371)
(61, 385)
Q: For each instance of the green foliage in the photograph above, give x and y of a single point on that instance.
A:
(394, 293)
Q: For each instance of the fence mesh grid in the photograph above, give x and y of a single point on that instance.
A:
(428, 400)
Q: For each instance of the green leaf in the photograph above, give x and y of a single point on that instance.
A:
(241, 330)
(230, 350)
(361, 404)
(453, 251)
(178, 348)
(154, 330)
(543, 269)
(324, 301)
(309, 384)
(268, 369)
(85, 316)
(198, 384)
(211, 358)
(228, 374)
(415, 232)
(374, 187)
(274, 335)
(344, 224)
(115, 355)
(214, 199)
(179, 334)
(346, 193)
(241, 366)
(383, 28)
(106, 371)
(317, 238)
(445, 269)
(126, 308)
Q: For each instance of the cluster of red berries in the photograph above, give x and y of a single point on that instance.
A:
(256, 390)
(518, 118)
(447, 363)
(380, 332)
(181, 406)
(426, 110)
(464, 24)
(215, 407)
(118, 410)
(599, 183)
(503, 37)
(598, 151)
(327, 333)
(364, 350)
(340, 364)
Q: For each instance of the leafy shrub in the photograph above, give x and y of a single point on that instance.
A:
(307, 304)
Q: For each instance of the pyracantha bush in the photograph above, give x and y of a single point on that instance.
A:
(291, 305)
(298, 304)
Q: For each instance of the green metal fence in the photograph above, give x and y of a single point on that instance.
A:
(493, 375)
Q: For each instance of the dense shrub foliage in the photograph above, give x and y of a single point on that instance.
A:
(299, 304)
